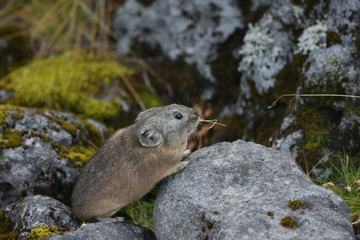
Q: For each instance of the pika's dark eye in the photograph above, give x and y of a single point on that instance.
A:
(178, 116)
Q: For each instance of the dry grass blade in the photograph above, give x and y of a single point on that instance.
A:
(213, 122)
(311, 95)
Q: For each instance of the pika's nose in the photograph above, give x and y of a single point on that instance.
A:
(194, 115)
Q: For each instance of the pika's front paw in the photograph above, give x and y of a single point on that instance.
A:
(181, 166)
(186, 154)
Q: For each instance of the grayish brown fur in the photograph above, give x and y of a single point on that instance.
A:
(133, 160)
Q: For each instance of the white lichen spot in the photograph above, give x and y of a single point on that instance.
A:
(313, 37)
(256, 42)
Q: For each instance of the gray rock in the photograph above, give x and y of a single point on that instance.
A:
(189, 29)
(38, 210)
(34, 164)
(107, 231)
(241, 190)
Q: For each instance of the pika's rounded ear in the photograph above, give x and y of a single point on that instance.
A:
(150, 138)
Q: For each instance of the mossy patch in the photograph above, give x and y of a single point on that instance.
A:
(41, 136)
(4, 108)
(68, 82)
(11, 139)
(289, 222)
(42, 232)
(67, 126)
(17, 116)
(315, 126)
(270, 214)
(295, 204)
(77, 154)
(6, 228)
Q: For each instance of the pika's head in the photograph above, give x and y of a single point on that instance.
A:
(168, 124)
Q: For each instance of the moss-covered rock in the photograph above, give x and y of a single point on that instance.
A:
(44, 149)
(76, 82)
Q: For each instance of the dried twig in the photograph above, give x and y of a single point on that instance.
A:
(213, 122)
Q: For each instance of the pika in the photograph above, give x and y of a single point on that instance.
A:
(133, 160)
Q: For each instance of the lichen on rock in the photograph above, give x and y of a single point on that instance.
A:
(190, 29)
(44, 150)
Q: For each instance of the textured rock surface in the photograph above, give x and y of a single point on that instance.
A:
(242, 189)
(188, 29)
(280, 47)
(38, 210)
(36, 152)
(108, 231)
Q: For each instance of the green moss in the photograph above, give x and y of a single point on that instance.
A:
(295, 204)
(332, 38)
(78, 154)
(67, 126)
(11, 139)
(4, 108)
(6, 227)
(42, 136)
(17, 116)
(271, 214)
(68, 82)
(315, 127)
(42, 232)
(289, 222)
(94, 134)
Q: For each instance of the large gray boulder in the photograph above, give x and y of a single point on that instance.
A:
(108, 231)
(244, 191)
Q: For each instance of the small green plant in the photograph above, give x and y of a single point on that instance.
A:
(344, 173)
(141, 211)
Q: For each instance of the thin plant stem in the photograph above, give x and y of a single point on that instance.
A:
(312, 95)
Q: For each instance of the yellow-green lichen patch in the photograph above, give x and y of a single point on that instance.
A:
(69, 82)
(289, 222)
(42, 232)
(4, 108)
(77, 154)
(94, 136)
(17, 116)
(11, 138)
(295, 204)
(6, 227)
(41, 136)
(67, 126)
